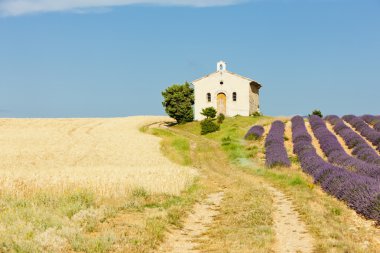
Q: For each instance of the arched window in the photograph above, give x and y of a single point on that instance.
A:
(234, 96)
(208, 97)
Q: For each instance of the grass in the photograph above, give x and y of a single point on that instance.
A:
(80, 219)
(245, 222)
(92, 217)
(46, 222)
(175, 147)
(334, 226)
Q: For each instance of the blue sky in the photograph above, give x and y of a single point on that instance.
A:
(98, 58)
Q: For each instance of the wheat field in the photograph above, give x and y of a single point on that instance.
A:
(108, 156)
(66, 184)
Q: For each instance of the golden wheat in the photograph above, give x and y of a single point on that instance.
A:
(109, 156)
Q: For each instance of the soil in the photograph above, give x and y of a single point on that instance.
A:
(196, 224)
(291, 233)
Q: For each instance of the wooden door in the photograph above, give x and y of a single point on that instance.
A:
(221, 103)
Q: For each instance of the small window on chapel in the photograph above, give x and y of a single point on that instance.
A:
(208, 97)
(234, 96)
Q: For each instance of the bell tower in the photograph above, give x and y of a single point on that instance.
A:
(221, 66)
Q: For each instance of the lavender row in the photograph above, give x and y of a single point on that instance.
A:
(254, 133)
(373, 121)
(274, 146)
(360, 148)
(361, 193)
(371, 134)
(335, 152)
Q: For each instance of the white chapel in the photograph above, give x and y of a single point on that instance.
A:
(229, 93)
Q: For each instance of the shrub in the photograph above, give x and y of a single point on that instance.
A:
(178, 102)
(372, 120)
(254, 133)
(209, 112)
(256, 114)
(226, 141)
(317, 113)
(208, 126)
(361, 193)
(275, 152)
(335, 152)
(365, 130)
(220, 118)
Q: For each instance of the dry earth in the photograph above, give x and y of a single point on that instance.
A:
(315, 141)
(195, 225)
(339, 138)
(110, 156)
(291, 233)
(368, 141)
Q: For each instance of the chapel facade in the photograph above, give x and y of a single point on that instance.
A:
(229, 93)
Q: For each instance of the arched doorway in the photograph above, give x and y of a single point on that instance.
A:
(221, 103)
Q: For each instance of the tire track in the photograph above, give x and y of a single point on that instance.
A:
(291, 233)
(196, 224)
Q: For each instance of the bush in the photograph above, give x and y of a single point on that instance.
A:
(220, 118)
(256, 114)
(178, 102)
(360, 148)
(364, 129)
(209, 112)
(208, 126)
(226, 141)
(361, 193)
(336, 153)
(254, 133)
(275, 152)
(317, 112)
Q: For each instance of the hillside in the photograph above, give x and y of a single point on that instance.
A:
(332, 224)
(141, 184)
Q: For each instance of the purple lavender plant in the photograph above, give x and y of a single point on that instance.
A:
(360, 192)
(361, 149)
(372, 120)
(275, 151)
(254, 133)
(368, 132)
(335, 152)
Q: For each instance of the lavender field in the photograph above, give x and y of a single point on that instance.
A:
(351, 173)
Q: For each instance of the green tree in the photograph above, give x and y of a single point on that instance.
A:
(209, 112)
(178, 102)
(318, 113)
